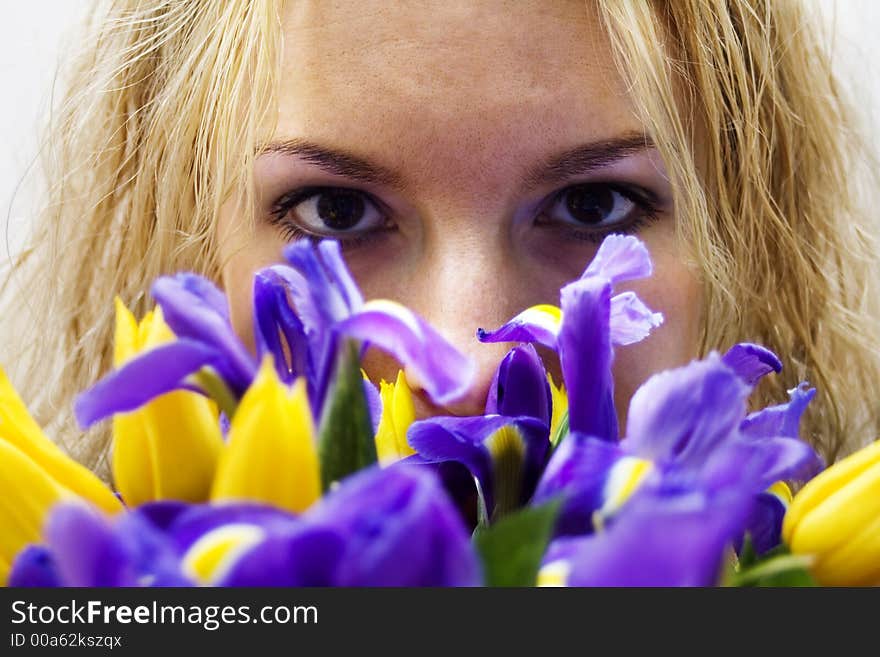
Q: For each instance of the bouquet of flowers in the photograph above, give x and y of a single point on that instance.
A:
(288, 467)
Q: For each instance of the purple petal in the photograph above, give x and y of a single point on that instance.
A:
(620, 258)
(782, 420)
(34, 567)
(441, 439)
(303, 556)
(536, 324)
(323, 292)
(445, 373)
(631, 320)
(754, 464)
(764, 523)
(86, 550)
(520, 386)
(654, 542)
(374, 404)
(153, 373)
(330, 253)
(400, 529)
(684, 415)
(585, 355)
(277, 329)
(751, 361)
(464, 440)
(207, 293)
(189, 305)
(577, 474)
(197, 520)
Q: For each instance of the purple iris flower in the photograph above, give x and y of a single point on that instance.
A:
(331, 308)
(504, 455)
(678, 540)
(519, 400)
(520, 386)
(381, 527)
(687, 431)
(592, 320)
(197, 312)
(302, 313)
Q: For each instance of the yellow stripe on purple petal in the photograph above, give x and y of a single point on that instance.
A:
(546, 316)
(624, 478)
(507, 448)
(213, 555)
(554, 574)
(781, 492)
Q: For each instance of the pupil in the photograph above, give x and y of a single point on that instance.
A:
(340, 209)
(589, 205)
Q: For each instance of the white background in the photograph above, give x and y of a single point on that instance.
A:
(35, 34)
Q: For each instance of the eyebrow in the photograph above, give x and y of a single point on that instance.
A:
(586, 158)
(337, 162)
(569, 164)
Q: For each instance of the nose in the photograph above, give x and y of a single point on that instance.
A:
(473, 401)
(460, 286)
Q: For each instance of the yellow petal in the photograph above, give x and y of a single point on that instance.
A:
(825, 484)
(840, 517)
(125, 340)
(167, 449)
(398, 413)
(271, 456)
(559, 398)
(153, 330)
(856, 562)
(28, 493)
(19, 429)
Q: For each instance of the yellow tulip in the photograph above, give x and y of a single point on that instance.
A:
(835, 519)
(272, 454)
(20, 430)
(35, 474)
(28, 495)
(398, 412)
(168, 448)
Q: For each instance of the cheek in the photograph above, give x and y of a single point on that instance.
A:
(675, 291)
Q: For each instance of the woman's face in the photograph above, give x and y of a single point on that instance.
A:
(470, 157)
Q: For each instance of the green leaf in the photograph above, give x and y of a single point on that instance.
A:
(778, 569)
(747, 555)
(561, 431)
(512, 548)
(345, 438)
(214, 386)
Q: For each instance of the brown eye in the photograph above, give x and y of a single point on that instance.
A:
(331, 210)
(593, 205)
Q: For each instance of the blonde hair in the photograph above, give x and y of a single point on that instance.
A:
(167, 103)
(771, 203)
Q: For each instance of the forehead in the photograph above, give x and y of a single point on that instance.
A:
(437, 80)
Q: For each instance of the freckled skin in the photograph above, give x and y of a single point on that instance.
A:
(459, 99)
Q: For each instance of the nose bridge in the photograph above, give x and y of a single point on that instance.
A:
(467, 279)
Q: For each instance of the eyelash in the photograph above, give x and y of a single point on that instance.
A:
(290, 231)
(648, 211)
